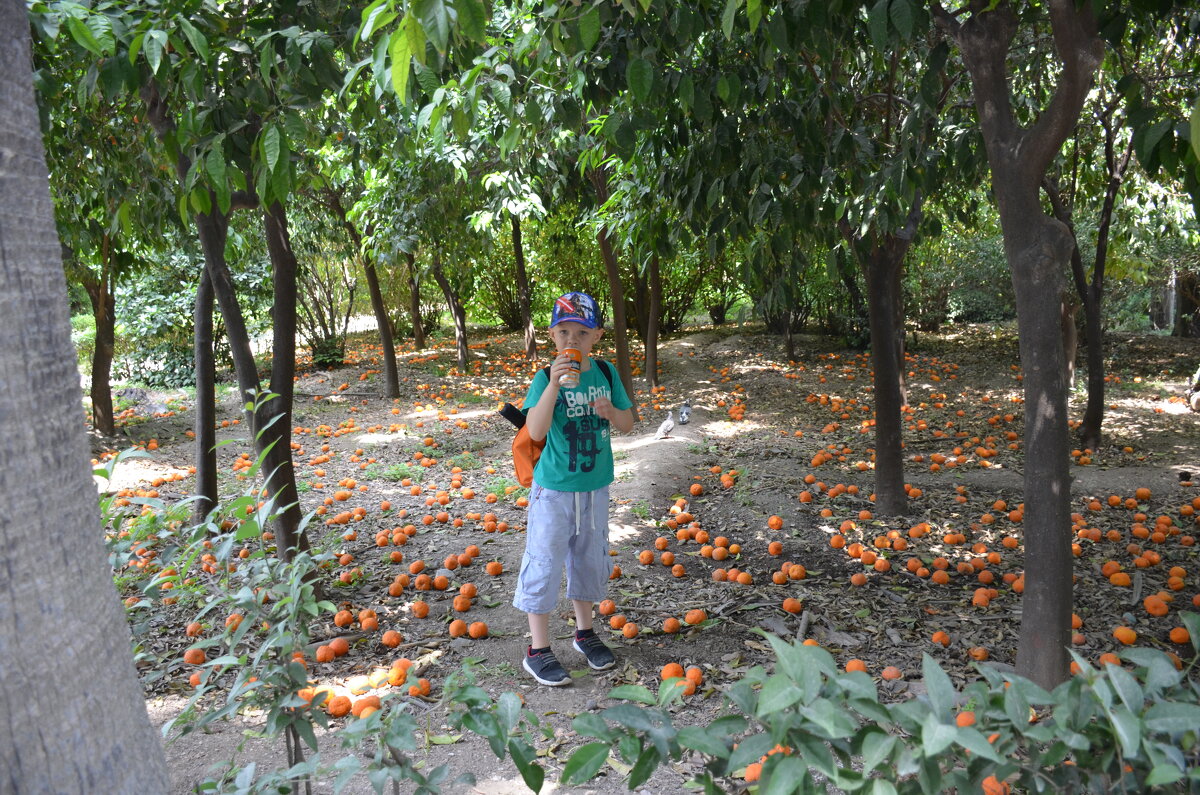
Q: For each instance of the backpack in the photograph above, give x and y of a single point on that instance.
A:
(525, 450)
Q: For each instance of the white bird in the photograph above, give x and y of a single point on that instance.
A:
(667, 426)
(685, 413)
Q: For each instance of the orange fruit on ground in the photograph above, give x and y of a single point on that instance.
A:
(478, 629)
(1180, 635)
(855, 665)
(941, 637)
(775, 548)
(671, 625)
(391, 639)
(694, 675)
(339, 706)
(495, 567)
(965, 718)
(340, 646)
(194, 629)
(891, 672)
(671, 670)
(793, 605)
(858, 579)
(458, 628)
(775, 522)
(461, 603)
(1125, 635)
(695, 616)
(194, 656)
(343, 618)
(325, 654)
(629, 630)
(618, 621)
(607, 607)
(419, 609)
(696, 490)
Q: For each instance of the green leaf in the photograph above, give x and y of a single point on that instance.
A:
(1163, 774)
(938, 686)
(154, 46)
(83, 37)
(935, 735)
(525, 758)
(472, 19)
(1127, 688)
(754, 12)
(589, 724)
(585, 763)
(698, 738)
(1195, 129)
(1172, 717)
(687, 91)
(750, 749)
(195, 38)
(633, 693)
(444, 739)
(639, 76)
(902, 18)
(877, 24)
(974, 741)
(401, 57)
(1128, 729)
(778, 693)
(269, 146)
(727, 17)
(877, 747)
(434, 17)
(787, 775)
(646, 763)
(589, 28)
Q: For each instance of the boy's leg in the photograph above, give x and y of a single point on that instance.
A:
(587, 576)
(546, 539)
(539, 630)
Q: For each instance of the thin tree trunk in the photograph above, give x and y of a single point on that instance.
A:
(617, 293)
(652, 322)
(456, 311)
(391, 377)
(100, 293)
(414, 302)
(275, 441)
(883, 280)
(207, 493)
(524, 290)
(79, 733)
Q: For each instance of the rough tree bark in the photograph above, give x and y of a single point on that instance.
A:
(207, 494)
(654, 310)
(882, 262)
(524, 290)
(75, 733)
(414, 302)
(104, 307)
(1038, 248)
(391, 377)
(616, 291)
(457, 311)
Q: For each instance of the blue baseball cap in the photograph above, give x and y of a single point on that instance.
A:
(576, 308)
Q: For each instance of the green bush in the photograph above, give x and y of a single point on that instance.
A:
(83, 337)
(807, 726)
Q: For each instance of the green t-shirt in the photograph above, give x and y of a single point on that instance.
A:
(578, 454)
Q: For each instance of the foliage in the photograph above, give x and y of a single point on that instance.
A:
(959, 277)
(806, 727)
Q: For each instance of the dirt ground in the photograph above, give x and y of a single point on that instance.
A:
(758, 421)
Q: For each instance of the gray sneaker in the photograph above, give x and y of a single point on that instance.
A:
(599, 656)
(545, 668)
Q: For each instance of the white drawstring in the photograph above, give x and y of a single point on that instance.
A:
(578, 505)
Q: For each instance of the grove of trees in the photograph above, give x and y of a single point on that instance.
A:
(223, 173)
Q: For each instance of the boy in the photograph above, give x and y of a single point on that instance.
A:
(568, 503)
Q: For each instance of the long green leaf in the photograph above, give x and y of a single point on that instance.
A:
(877, 24)
(401, 57)
(754, 12)
(472, 19)
(938, 687)
(434, 17)
(269, 146)
(727, 17)
(83, 37)
(589, 28)
(639, 75)
(585, 763)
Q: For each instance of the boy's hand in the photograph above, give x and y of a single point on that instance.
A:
(604, 408)
(561, 365)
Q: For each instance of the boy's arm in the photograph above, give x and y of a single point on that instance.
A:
(539, 418)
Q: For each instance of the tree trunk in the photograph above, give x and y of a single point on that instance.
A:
(273, 425)
(617, 293)
(207, 493)
(457, 311)
(100, 294)
(883, 282)
(414, 302)
(391, 377)
(524, 291)
(1038, 249)
(653, 312)
(79, 733)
